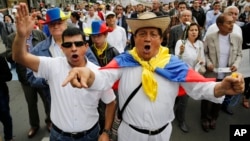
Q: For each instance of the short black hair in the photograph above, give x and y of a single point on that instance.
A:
(181, 3)
(72, 31)
(7, 15)
(76, 15)
(221, 18)
(216, 3)
(108, 7)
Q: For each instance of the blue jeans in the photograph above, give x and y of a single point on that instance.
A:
(5, 117)
(91, 136)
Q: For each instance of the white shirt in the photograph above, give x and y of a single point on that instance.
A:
(118, 38)
(191, 52)
(206, 8)
(84, 25)
(89, 20)
(211, 18)
(224, 45)
(141, 112)
(72, 109)
(55, 49)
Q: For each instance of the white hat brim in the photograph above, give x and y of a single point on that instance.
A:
(157, 22)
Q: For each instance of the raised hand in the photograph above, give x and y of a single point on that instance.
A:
(24, 21)
(182, 48)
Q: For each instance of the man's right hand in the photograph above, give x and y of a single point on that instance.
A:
(78, 77)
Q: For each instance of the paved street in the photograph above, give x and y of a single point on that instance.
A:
(21, 126)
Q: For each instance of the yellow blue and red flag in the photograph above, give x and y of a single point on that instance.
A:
(165, 65)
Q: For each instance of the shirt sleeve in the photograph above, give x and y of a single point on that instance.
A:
(204, 90)
(108, 96)
(43, 69)
(177, 47)
(105, 78)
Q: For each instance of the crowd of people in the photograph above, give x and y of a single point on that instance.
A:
(120, 60)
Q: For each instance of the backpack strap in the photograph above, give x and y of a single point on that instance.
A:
(120, 112)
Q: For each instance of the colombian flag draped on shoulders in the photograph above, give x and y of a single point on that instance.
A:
(164, 64)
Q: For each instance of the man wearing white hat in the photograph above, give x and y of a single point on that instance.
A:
(154, 77)
(13, 13)
(117, 37)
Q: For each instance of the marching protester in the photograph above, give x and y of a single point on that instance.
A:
(153, 76)
(74, 114)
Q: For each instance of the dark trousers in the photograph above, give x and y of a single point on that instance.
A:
(227, 100)
(210, 110)
(31, 96)
(5, 116)
(180, 107)
(90, 136)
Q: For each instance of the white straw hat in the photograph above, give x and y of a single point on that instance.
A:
(148, 19)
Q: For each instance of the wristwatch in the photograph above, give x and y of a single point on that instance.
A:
(107, 132)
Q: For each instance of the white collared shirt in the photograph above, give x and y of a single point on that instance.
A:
(191, 52)
(72, 109)
(55, 49)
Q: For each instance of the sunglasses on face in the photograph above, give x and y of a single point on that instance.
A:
(69, 44)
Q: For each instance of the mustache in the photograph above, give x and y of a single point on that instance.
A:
(147, 47)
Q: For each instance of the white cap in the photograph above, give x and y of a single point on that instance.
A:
(13, 10)
(109, 13)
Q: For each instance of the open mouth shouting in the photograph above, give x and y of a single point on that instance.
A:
(147, 48)
(75, 57)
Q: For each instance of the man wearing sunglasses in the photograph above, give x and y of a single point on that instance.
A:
(50, 47)
(74, 113)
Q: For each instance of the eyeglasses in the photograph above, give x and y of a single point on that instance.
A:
(69, 44)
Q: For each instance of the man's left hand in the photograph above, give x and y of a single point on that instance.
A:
(233, 85)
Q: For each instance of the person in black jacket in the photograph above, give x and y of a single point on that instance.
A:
(5, 117)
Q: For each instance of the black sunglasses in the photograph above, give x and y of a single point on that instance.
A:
(69, 44)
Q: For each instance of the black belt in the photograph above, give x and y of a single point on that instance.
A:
(149, 132)
(75, 135)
